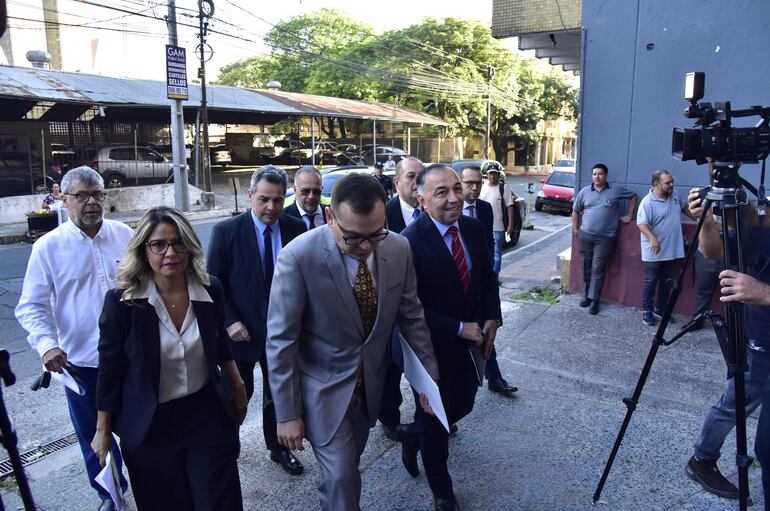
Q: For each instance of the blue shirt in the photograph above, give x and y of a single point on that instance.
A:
(600, 208)
(275, 237)
(663, 217)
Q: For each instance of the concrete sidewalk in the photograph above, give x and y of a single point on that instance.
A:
(542, 450)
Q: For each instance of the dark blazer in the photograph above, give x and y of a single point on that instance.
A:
(394, 215)
(234, 258)
(485, 216)
(128, 380)
(293, 211)
(446, 304)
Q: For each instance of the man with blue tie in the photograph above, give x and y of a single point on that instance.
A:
(307, 192)
(242, 254)
(481, 210)
(458, 289)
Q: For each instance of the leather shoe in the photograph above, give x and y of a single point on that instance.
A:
(449, 504)
(594, 309)
(288, 462)
(585, 302)
(409, 449)
(501, 386)
(391, 431)
(452, 429)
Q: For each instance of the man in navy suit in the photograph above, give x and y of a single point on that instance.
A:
(242, 254)
(307, 192)
(482, 210)
(459, 293)
(400, 211)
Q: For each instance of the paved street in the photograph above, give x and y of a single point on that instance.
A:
(542, 450)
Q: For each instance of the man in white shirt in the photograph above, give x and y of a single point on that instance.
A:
(307, 191)
(502, 205)
(69, 271)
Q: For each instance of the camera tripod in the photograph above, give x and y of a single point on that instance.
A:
(8, 437)
(728, 195)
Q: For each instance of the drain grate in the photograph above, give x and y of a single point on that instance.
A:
(38, 453)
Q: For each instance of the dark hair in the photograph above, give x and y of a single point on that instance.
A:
(659, 174)
(601, 166)
(271, 174)
(360, 191)
(423, 175)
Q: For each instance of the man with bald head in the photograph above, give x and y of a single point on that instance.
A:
(403, 209)
(307, 192)
(458, 289)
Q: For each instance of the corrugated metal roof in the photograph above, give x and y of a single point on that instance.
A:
(22, 83)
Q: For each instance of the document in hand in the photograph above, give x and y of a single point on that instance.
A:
(422, 382)
(109, 479)
(66, 379)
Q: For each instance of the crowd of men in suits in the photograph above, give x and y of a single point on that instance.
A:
(320, 298)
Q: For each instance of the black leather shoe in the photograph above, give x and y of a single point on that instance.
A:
(501, 386)
(449, 504)
(452, 429)
(594, 309)
(409, 449)
(585, 302)
(288, 462)
(107, 505)
(391, 431)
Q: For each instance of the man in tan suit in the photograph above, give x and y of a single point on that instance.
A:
(329, 323)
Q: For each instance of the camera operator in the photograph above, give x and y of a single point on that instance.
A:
(754, 292)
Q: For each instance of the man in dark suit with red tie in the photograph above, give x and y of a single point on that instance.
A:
(307, 198)
(242, 254)
(459, 292)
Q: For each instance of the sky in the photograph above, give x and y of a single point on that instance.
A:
(133, 45)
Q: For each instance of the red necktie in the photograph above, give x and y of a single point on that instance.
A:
(458, 254)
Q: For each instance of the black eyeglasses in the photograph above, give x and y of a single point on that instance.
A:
(372, 238)
(83, 197)
(160, 247)
(472, 183)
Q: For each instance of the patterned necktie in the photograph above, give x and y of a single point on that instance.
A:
(268, 262)
(471, 210)
(310, 220)
(366, 297)
(458, 254)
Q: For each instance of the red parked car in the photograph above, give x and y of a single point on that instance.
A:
(558, 191)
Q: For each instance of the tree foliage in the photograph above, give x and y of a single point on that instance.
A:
(439, 66)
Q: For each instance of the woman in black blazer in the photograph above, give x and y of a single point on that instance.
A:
(167, 384)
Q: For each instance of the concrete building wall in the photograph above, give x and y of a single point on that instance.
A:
(635, 57)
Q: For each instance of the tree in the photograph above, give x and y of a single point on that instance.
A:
(438, 66)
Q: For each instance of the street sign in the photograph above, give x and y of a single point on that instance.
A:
(176, 72)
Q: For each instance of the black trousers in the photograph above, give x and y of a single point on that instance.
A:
(389, 414)
(656, 274)
(706, 279)
(188, 459)
(595, 250)
(269, 426)
(434, 449)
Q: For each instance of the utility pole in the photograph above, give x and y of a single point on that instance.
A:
(205, 11)
(490, 76)
(178, 156)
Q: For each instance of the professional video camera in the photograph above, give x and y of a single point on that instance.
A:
(713, 135)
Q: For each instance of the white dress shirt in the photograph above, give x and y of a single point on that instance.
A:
(275, 237)
(317, 217)
(406, 211)
(182, 360)
(471, 206)
(67, 276)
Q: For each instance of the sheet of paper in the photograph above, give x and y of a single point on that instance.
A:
(422, 382)
(68, 381)
(109, 479)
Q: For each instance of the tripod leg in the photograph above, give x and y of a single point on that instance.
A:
(657, 341)
(736, 350)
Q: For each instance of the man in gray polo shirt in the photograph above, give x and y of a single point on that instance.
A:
(660, 223)
(595, 215)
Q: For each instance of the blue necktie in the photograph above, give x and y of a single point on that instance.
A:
(268, 260)
(415, 214)
(310, 220)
